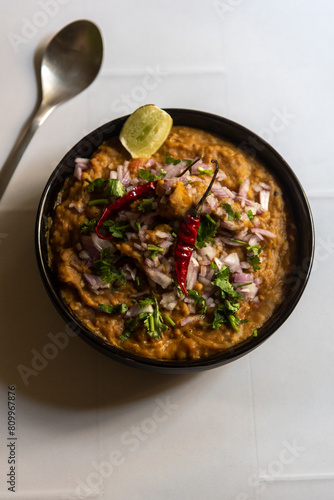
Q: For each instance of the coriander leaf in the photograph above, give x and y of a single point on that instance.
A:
(206, 231)
(125, 335)
(146, 205)
(255, 261)
(95, 185)
(153, 321)
(226, 311)
(145, 174)
(114, 309)
(88, 226)
(254, 257)
(229, 210)
(205, 171)
(114, 187)
(169, 159)
(146, 302)
(117, 229)
(221, 279)
(154, 249)
(101, 201)
(219, 318)
(107, 271)
(169, 320)
(250, 214)
(199, 301)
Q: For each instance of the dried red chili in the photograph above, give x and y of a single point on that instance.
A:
(146, 189)
(186, 237)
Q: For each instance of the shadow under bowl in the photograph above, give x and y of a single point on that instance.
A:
(249, 143)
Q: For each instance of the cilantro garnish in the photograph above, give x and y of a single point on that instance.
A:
(146, 205)
(255, 250)
(88, 226)
(250, 215)
(169, 159)
(115, 187)
(226, 311)
(95, 185)
(114, 309)
(169, 320)
(205, 171)
(107, 271)
(221, 279)
(230, 212)
(111, 187)
(125, 335)
(199, 301)
(154, 249)
(117, 229)
(213, 266)
(101, 201)
(145, 174)
(206, 231)
(153, 321)
(254, 258)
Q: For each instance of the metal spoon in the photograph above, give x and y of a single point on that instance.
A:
(70, 63)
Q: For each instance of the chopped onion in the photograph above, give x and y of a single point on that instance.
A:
(190, 319)
(263, 232)
(221, 191)
(89, 247)
(243, 189)
(136, 309)
(101, 244)
(162, 234)
(95, 282)
(84, 161)
(243, 277)
(158, 277)
(249, 292)
(232, 261)
(264, 200)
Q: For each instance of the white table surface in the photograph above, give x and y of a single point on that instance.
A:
(87, 427)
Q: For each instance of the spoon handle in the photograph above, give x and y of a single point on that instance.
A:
(21, 144)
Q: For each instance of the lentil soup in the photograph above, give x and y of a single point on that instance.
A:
(123, 286)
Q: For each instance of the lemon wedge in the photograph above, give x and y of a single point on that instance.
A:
(145, 131)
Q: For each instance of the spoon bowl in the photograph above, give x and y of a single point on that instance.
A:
(70, 63)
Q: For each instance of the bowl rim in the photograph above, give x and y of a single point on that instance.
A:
(174, 366)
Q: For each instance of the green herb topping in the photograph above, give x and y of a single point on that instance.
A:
(226, 311)
(230, 212)
(111, 187)
(88, 226)
(114, 309)
(205, 171)
(117, 229)
(200, 301)
(107, 271)
(146, 205)
(250, 214)
(206, 231)
(151, 319)
(146, 174)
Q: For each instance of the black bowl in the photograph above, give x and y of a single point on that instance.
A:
(248, 142)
